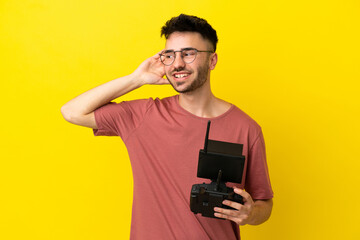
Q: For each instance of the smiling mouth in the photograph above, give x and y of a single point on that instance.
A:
(181, 75)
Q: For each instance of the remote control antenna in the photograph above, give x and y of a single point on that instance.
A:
(207, 136)
(218, 180)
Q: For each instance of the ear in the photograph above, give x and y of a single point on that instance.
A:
(213, 61)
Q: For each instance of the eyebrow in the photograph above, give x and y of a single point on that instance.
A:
(188, 48)
(172, 50)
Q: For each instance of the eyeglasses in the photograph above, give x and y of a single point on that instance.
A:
(188, 55)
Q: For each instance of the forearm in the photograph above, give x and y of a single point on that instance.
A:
(98, 96)
(80, 110)
(261, 212)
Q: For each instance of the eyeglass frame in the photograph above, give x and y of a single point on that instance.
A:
(182, 57)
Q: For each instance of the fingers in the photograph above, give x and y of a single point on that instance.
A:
(232, 204)
(222, 215)
(233, 215)
(237, 220)
(246, 196)
(162, 81)
(157, 55)
(229, 212)
(240, 213)
(225, 212)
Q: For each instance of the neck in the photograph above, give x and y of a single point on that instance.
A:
(203, 103)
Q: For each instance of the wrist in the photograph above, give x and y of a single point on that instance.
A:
(252, 217)
(260, 212)
(136, 80)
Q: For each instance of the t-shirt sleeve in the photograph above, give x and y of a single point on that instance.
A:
(121, 119)
(257, 178)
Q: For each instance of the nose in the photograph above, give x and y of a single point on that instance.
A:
(178, 62)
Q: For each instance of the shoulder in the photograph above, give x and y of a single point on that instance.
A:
(147, 106)
(166, 104)
(139, 104)
(242, 122)
(172, 100)
(243, 117)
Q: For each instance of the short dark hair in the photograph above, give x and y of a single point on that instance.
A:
(188, 23)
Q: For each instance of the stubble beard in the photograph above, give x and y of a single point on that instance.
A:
(197, 82)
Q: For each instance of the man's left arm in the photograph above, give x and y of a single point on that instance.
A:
(253, 212)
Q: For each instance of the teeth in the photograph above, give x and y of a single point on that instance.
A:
(181, 75)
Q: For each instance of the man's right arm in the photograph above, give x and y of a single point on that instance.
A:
(80, 110)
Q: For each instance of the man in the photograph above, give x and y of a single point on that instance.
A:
(163, 137)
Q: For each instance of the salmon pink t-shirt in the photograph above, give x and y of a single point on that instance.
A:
(163, 141)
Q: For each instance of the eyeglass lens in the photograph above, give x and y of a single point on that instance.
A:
(188, 56)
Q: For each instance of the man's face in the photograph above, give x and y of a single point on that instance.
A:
(187, 77)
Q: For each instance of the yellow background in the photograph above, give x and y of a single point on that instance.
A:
(291, 65)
